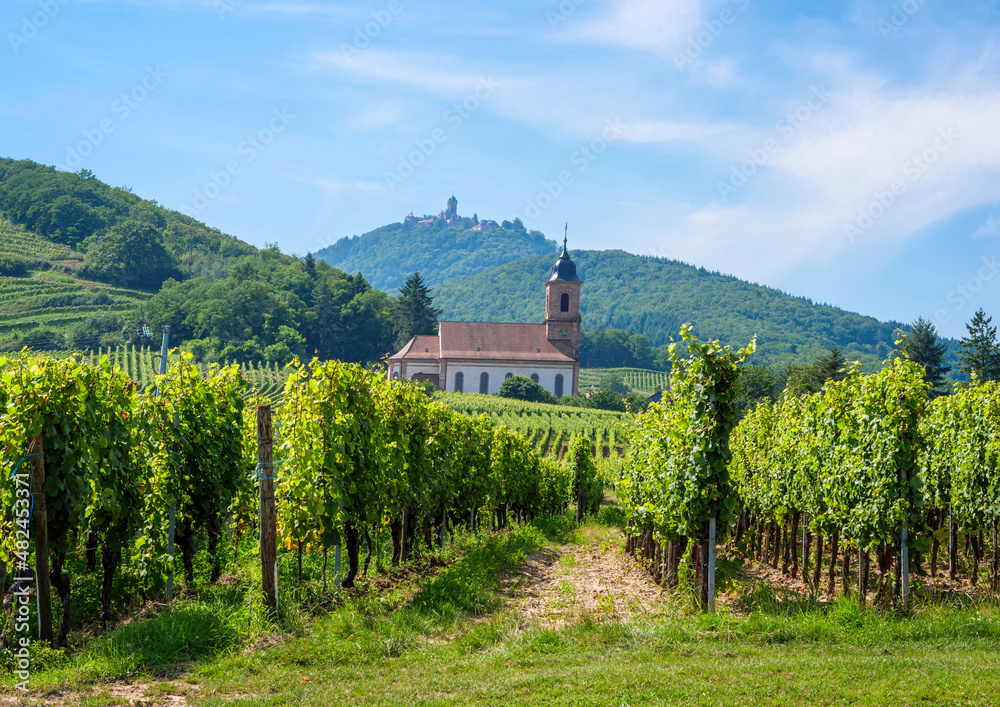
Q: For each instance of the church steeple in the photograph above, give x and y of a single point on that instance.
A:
(562, 302)
(565, 268)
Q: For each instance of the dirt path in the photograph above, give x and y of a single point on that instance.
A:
(592, 579)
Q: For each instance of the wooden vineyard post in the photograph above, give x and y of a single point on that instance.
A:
(711, 566)
(40, 517)
(268, 520)
(171, 537)
(904, 561)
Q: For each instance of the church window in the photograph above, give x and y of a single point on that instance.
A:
(459, 382)
(559, 385)
(564, 303)
(509, 375)
(484, 383)
(395, 376)
(534, 377)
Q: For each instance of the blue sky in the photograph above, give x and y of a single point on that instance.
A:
(844, 151)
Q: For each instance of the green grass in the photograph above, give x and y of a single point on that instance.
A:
(452, 638)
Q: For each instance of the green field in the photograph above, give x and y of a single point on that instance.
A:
(454, 631)
(547, 427)
(639, 380)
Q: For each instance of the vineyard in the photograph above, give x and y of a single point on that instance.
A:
(16, 241)
(546, 427)
(264, 381)
(132, 472)
(638, 379)
(820, 485)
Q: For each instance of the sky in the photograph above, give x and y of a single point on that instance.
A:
(848, 152)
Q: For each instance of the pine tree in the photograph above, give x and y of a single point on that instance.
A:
(979, 352)
(921, 346)
(415, 311)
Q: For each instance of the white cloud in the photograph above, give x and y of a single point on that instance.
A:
(560, 105)
(940, 148)
(657, 26)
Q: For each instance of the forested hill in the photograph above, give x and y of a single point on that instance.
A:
(654, 296)
(86, 265)
(387, 255)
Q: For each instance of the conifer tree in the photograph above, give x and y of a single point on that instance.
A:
(415, 310)
(979, 352)
(922, 346)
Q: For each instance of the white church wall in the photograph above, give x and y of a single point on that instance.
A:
(472, 371)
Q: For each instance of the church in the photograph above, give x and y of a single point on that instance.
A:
(476, 357)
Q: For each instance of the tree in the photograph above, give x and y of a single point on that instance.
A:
(803, 380)
(523, 388)
(129, 254)
(922, 347)
(755, 383)
(606, 400)
(979, 352)
(615, 382)
(415, 311)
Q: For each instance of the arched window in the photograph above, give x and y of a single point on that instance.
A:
(459, 382)
(395, 376)
(559, 385)
(534, 377)
(564, 303)
(509, 375)
(484, 383)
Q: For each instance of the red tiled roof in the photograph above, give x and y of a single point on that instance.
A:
(414, 349)
(485, 341)
(498, 341)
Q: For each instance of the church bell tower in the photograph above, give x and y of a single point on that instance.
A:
(562, 304)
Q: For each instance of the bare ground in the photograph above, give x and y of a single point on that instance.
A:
(592, 580)
(145, 693)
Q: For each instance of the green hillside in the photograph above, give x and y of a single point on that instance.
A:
(86, 265)
(438, 251)
(654, 296)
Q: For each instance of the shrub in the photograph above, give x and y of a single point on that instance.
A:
(13, 266)
(523, 388)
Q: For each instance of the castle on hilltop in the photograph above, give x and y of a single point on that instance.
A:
(451, 217)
